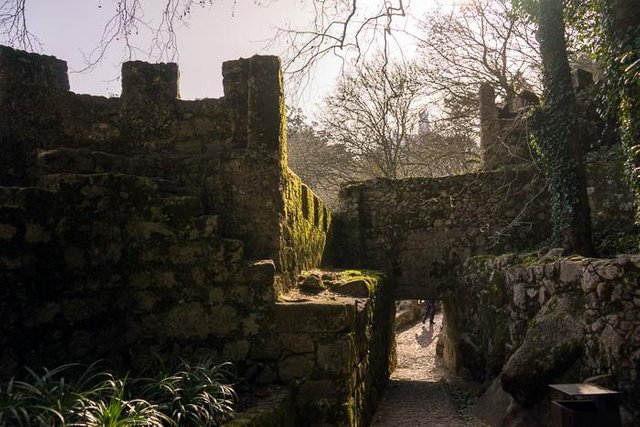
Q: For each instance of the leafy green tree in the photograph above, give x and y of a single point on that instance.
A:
(621, 51)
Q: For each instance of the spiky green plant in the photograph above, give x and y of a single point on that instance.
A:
(60, 389)
(47, 398)
(13, 405)
(196, 394)
(114, 410)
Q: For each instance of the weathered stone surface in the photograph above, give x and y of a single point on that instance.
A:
(318, 388)
(493, 404)
(297, 343)
(146, 210)
(278, 409)
(313, 283)
(358, 288)
(607, 312)
(313, 317)
(295, 367)
(428, 226)
(336, 357)
(553, 343)
(570, 271)
(236, 351)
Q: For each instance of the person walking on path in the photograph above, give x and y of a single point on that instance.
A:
(429, 311)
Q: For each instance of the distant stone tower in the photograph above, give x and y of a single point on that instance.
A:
(504, 136)
(423, 122)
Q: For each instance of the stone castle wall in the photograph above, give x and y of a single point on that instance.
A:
(339, 351)
(229, 152)
(418, 229)
(136, 225)
(504, 136)
(145, 227)
(110, 267)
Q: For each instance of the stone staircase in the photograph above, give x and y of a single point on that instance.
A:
(129, 238)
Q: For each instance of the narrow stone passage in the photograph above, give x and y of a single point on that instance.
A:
(418, 393)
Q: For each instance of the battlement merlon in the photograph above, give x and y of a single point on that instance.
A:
(253, 89)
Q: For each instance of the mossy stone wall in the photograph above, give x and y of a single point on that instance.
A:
(111, 267)
(145, 224)
(496, 301)
(336, 352)
(304, 230)
(417, 230)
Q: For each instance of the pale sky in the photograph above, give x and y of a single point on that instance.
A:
(69, 29)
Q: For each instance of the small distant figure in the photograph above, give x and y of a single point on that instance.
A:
(429, 311)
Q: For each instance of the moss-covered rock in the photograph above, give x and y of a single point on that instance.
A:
(554, 342)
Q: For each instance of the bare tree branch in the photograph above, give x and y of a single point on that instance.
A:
(13, 25)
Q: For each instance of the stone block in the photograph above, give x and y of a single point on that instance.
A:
(265, 347)
(337, 357)
(607, 269)
(570, 271)
(43, 315)
(295, 367)
(297, 343)
(216, 296)
(32, 92)
(7, 231)
(148, 103)
(250, 325)
(318, 388)
(191, 320)
(235, 351)
(312, 317)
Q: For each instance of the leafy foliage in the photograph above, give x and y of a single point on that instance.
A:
(557, 136)
(195, 394)
(74, 395)
(110, 408)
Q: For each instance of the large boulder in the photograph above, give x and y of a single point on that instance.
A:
(554, 342)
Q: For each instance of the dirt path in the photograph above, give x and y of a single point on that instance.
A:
(418, 394)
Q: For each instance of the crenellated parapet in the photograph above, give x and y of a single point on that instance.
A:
(228, 151)
(179, 218)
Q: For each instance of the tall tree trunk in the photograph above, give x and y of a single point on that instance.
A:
(558, 136)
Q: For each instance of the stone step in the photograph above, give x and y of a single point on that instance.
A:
(218, 258)
(85, 161)
(203, 229)
(122, 182)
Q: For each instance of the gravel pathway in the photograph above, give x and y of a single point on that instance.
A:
(421, 391)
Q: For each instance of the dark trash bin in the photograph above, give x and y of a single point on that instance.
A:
(585, 405)
(577, 413)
